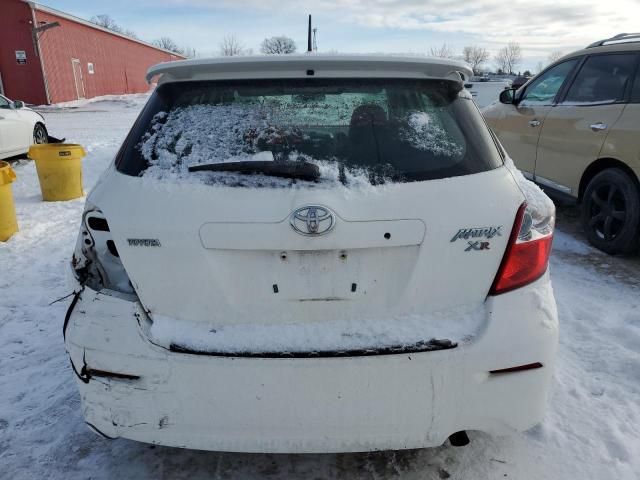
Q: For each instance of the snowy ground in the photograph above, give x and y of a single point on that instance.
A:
(592, 429)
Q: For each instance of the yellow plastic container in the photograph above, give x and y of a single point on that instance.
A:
(59, 170)
(8, 221)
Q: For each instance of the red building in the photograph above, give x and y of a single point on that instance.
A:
(47, 56)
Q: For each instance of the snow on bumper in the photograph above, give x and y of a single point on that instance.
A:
(301, 405)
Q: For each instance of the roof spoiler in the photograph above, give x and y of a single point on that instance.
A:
(272, 65)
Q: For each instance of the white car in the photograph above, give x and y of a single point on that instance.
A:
(312, 254)
(20, 127)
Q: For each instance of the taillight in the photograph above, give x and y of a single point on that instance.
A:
(96, 261)
(527, 255)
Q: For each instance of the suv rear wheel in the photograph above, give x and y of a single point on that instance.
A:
(611, 212)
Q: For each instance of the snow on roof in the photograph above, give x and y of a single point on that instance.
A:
(306, 65)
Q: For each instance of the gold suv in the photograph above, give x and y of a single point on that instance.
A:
(575, 130)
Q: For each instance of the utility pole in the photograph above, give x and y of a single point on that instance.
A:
(36, 31)
(309, 46)
(315, 45)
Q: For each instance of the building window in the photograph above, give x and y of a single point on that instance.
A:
(90, 68)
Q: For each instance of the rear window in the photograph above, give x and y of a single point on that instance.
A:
(354, 130)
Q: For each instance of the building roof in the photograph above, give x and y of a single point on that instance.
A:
(310, 64)
(72, 18)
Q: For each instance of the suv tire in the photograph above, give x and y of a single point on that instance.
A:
(611, 212)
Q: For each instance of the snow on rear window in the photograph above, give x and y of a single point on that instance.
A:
(358, 131)
(203, 134)
(424, 133)
(200, 133)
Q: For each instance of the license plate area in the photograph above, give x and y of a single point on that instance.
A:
(289, 286)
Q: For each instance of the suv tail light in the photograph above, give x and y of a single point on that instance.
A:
(527, 255)
(96, 261)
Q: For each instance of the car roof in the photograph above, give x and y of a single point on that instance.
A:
(607, 48)
(310, 65)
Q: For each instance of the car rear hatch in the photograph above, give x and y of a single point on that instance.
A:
(396, 242)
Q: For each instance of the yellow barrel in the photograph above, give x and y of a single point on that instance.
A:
(8, 221)
(59, 170)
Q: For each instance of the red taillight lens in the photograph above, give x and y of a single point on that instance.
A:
(527, 255)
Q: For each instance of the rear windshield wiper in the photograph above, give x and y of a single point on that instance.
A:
(297, 170)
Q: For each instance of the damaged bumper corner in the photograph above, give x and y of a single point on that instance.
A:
(131, 388)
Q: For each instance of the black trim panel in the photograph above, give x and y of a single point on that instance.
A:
(519, 368)
(103, 373)
(95, 429)
(424, 346)
(69, 312)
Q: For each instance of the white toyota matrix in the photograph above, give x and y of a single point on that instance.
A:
(312, 254)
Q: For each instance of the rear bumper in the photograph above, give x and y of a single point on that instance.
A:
(301, 405)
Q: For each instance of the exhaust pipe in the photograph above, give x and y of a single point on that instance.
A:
(459, 439)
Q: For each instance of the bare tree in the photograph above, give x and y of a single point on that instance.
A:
(514, 55)
(107, 22)
(555, 55)
(168, 44)
(509, 57)
(443, 51)
(230, 46)
(539, 67)
(189, 52)
(275, 45)
(500, 59)
(475, 56)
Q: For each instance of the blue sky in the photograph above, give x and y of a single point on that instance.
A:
(393, 26)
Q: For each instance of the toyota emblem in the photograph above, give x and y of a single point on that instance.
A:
(312, 220)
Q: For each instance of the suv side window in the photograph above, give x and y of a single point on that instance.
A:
(602, 79)
(544, 89)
